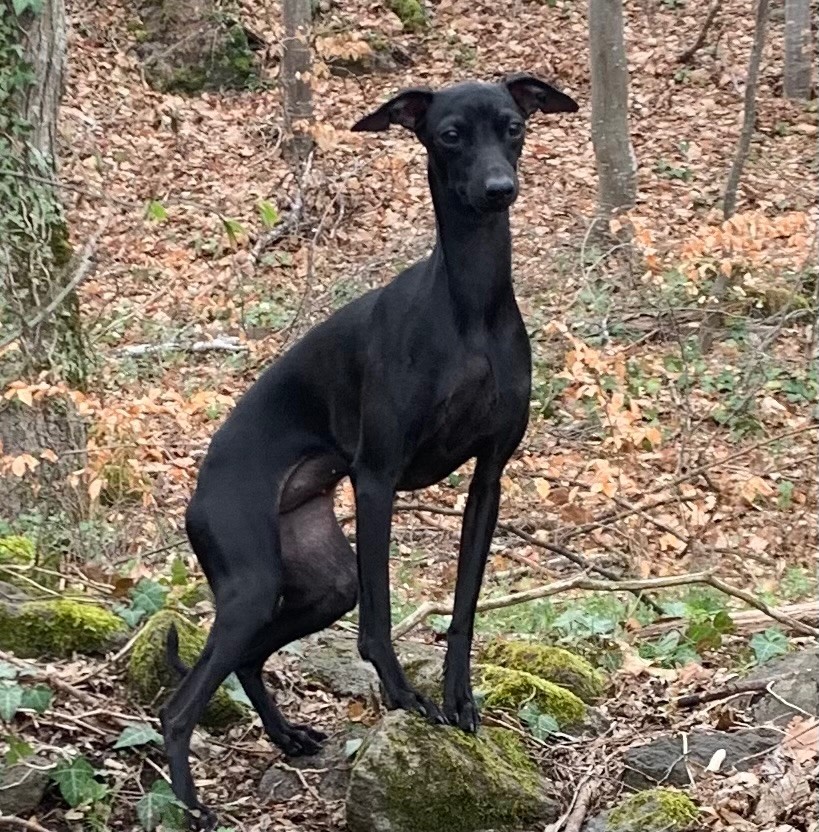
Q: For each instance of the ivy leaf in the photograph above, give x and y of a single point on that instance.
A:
(77, 783)
(769, 644)
(8, 670)
(155, 211)
(235, 690)
(37, 698)
(158, 805)
(11, 697)
(268, 213)
(148, 596)
(130, 615)
(140, 733)
(18, 750)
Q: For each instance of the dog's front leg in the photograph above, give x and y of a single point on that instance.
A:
(476, 534)
(374, 498)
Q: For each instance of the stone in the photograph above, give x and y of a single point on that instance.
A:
(281, 782)
(656, 810)
(22, 787)
(799, 686)
(550, 663)
(410, 776)
(151, 679)
(55, 627)
(662, 761)
(333, 662)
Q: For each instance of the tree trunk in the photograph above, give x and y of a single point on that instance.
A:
(798, 52)
(749, 113)
(297, 62)
(609, 100)
(34, 250)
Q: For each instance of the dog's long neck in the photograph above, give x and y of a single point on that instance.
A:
(473, 254)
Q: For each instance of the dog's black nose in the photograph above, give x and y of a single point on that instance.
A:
(500, 188)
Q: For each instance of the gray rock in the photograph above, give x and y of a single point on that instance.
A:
(410, 776)
(598, 823)
(282, 782)
(662, 761)
(424, 666)
(334, 663)
(22, 787)
(798, 687)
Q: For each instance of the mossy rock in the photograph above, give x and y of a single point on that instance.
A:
(552, 664)
(411, 13)
(512, 689)
(655, 810)
(57, 628)
(410, 776)
(151, 679)
(195, 593)
(15, 550)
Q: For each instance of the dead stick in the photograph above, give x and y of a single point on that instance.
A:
(577, 582)
(19, 823)
(747, 686)
(581, 806)
(685, 57)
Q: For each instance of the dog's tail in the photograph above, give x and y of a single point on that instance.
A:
(172, 653)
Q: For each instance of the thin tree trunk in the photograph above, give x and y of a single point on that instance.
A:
(297, 62)
(609, 100)
(798, 51)
(749, 115)
(689, 53)
(34, 250)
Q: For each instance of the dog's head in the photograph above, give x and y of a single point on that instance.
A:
(473, 132)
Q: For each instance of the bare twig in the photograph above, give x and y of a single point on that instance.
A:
(574, 557)
(225, 343)
(688, 54)
(19, 823)
(580, 581)
(734, 689)
(582, 799)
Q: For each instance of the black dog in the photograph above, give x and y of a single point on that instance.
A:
(396, 391)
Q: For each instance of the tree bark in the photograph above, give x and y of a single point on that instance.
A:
(35, 254)
(297, 62)
(749, 114)
(798, 51)
(609, 101)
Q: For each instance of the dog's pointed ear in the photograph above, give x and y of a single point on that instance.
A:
(406, 109)
(531, 94)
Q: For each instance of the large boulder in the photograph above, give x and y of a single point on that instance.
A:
(22, 786)
(410, 776)
(151, 679)
(333, 662)
(796, 686)
(55, 627)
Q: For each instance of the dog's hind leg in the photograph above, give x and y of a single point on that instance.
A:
(320, 586)
(245, 607)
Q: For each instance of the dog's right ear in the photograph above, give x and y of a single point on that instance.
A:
(406, 109)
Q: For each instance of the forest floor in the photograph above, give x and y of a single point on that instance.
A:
(646, 453)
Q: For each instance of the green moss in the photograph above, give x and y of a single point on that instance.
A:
(553, 664)
(411, 13)
(466, 780)
(150, 677)
(190, 596)
(655, 810)
(15, 550)
(58, 628)
(512, 689)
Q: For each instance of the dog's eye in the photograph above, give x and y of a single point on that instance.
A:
(515, 130)
(450, 136)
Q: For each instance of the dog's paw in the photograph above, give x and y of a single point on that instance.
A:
(408, 699)
(460, 710)
(201, 819)
(301, 741)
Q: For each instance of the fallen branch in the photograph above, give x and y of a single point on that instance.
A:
(581, 581)
(582, 800)
(735, 688)
(574, 557)
(688, 54)
(747, 621)
(224, 343)
(19, 823)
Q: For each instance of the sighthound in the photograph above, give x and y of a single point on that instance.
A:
(396, 390)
